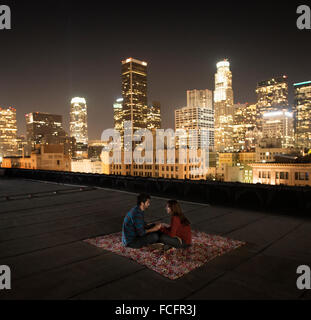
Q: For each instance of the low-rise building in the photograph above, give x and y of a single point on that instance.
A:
(86, 166)
(264, 155)
(44, 157)
(291, 174)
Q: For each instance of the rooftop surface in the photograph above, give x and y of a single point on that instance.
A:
(41, 239)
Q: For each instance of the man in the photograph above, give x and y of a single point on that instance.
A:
(134, 231)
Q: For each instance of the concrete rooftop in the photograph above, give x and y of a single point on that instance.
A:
(41, 239)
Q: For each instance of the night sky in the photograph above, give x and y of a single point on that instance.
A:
(60, 49)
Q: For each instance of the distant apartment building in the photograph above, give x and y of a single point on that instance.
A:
(43, 157)
(302, 112)
(291, 174)
(8, 132)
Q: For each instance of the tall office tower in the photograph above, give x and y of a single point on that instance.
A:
(200, 98)
(78, 124)
(199, 118)
(8, 132)
(302, 114)
(134, 93)
(272, 95)
(117, 115)
(44, 129)
(244, 121)
(154, 116)
(223, 106)
(278, 128)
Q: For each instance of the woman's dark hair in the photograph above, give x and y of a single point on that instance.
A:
(142, 198)
(176, 211)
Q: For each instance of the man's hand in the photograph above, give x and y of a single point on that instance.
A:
(156, 228)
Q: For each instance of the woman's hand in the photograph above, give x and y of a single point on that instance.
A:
(158, 226)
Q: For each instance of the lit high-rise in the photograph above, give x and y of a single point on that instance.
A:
(272, 95)
(78, 123)
(154, 120)
(46, 129)
(134, 92)
(118, 115)
(8, 132)
(200, 98)
(43, 128)
(302, 112)
(198, 115)
(244, 124)
(223, 105)
(278, 128)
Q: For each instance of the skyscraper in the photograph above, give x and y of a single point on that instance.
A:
(134, 92)
(78, 124)
(118, 115)
(154, 120)
(198, 115)
(272, 95)
(200, 98)
(199, 119)
(223, 105)
(278, 128)
(8, 132)
(223, 84)
(46, 129)
(43, 128)
(302, 114)
(244, 123)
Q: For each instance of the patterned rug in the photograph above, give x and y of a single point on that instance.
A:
(175, 263)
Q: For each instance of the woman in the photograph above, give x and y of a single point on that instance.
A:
(178, 235)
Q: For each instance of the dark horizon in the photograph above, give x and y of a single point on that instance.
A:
(57, 51)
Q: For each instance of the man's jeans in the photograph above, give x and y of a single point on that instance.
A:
(149, 238)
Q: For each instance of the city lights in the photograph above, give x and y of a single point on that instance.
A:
(236, 136)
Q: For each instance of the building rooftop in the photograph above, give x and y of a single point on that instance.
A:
(41, 239)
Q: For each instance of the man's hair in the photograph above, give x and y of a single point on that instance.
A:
(143, 197)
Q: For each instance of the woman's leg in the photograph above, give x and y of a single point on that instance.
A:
(173, 242)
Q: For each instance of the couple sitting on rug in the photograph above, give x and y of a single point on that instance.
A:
(136, 234)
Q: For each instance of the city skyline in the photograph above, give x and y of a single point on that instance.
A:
(75, 64)
(66, 113)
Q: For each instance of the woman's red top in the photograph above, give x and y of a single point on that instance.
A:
(177, 229)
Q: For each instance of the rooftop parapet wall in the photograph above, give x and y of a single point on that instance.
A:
(284, 199)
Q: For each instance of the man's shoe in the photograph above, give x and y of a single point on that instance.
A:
(156, 246)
